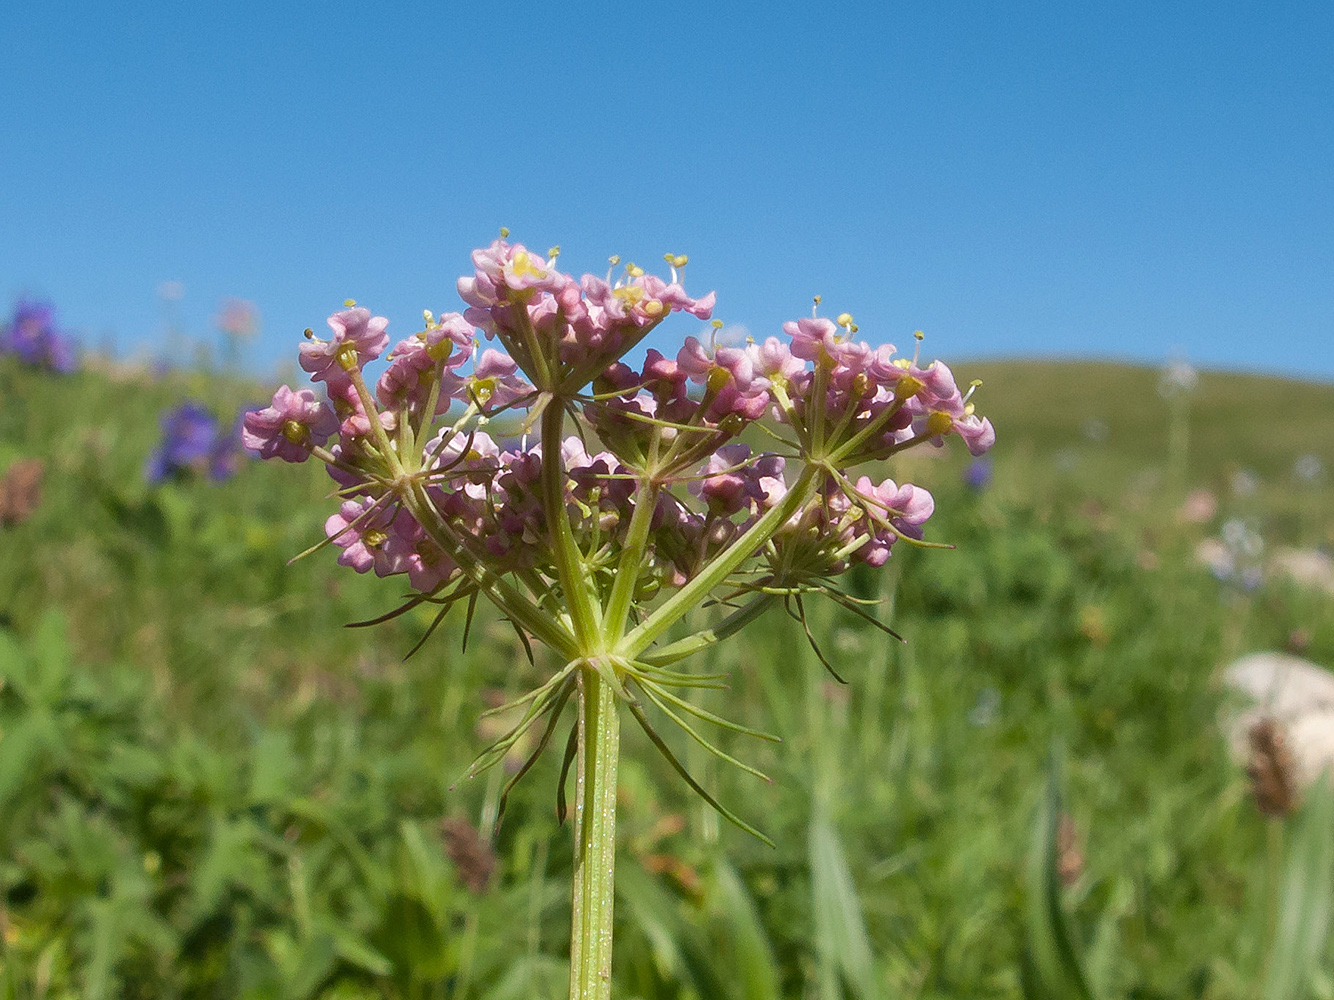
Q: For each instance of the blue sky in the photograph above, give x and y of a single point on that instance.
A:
(1099, 179)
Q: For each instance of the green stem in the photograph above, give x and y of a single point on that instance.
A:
(632, 557)
(569, 560)
(675, 608)
(373, 416)
(849, 448)
(701, 641)
(594, 839)
(1273, 889)
(514, 604)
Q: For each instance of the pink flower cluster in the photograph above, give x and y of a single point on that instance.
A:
(561, 331)
(669, 430)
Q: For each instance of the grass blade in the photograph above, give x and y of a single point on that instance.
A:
(1052, 966)
(1304, 907)
(753, 966)
(840, 931)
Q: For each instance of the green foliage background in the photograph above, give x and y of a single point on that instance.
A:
(210, 788)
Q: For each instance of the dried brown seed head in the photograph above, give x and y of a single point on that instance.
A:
(1271, 769)
(473, 857)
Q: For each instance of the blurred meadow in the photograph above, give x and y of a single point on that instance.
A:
(210, 787)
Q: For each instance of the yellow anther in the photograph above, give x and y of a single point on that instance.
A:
(717, 324)
(903, 363)
(504, 232)
(678, 260)
(634, 270)
(554, 252)
(373, 538)
(969, 409)
(428, 317)
(844, 319)
(482, 388)
(938, 422)
(653, 307)
(614, 259)
(817, 300)
(852, 328)
(523, 264)
(295, 432)
(919, 335)
(347, 357)
(976, 383)
(908, 387)
(308, 333)
(349, 303)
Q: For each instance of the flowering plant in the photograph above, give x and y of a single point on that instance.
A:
(32, 337)
(597, 554)
(193, 442)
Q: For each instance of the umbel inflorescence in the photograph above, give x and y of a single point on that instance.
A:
(597, 540)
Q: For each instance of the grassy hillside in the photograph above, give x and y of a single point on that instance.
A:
(210, 787)
(1107, 427)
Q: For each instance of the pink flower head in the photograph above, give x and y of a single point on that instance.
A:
(591, 479)
(450, 328)
(502, 269)
(775, 361)
(906, 504)
(611, 317)
(730, 482)
(408, 546)
(810, 334)
(641, 299)
(977, 433)
(905, 507)
(731, 400)
(363, 537)
(955, 415)
(730, 374)
(939, 391)
(348, 406)
(663, 377)
(694, 360)
(290, 427)
(471, 459)
(406, 383)
(494, 383)
(675, 296)
(358, 338)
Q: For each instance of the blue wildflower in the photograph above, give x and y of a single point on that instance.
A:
(193, 443)
(32, 337)
(978, 474)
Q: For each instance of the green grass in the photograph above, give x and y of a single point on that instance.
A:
(210, 787)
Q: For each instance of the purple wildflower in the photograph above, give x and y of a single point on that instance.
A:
(32, 337)
(192, 443)
(977, 476)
